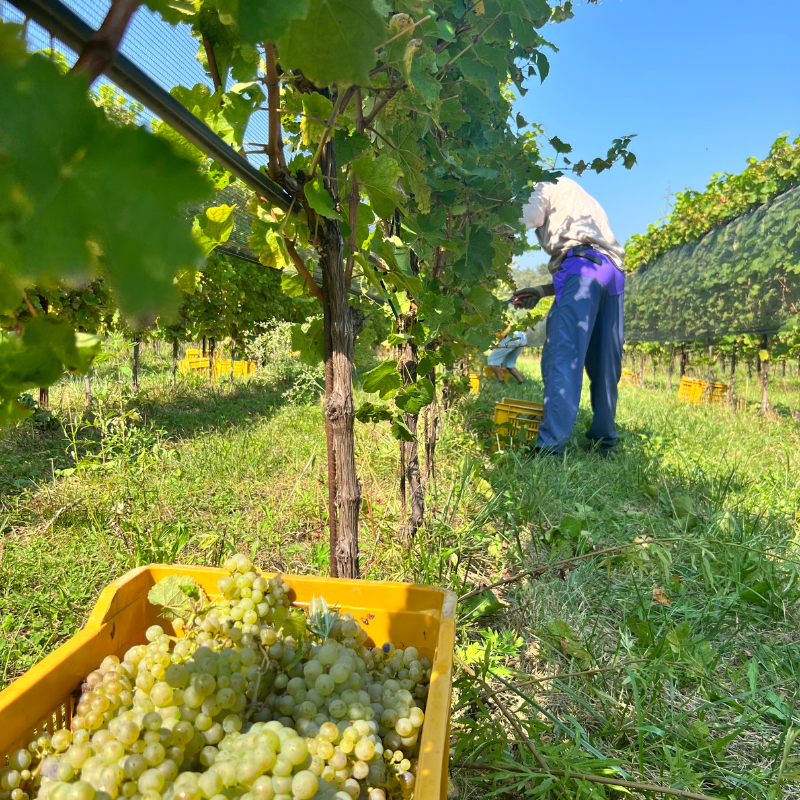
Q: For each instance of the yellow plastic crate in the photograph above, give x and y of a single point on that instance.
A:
(192, 354)
(193, 365)
(222, 367)
(474, 383)
(43, 699)
(488, 372)
(627, 378)
(692, 390)
(511, 416)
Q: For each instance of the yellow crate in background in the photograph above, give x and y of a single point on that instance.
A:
(692, 390)
(474, 383)
(512, 416)
(627, 378)
(222, 367)
(488, 372)
(43, 699)
(195, 364)
(192, 354)
(719, 392)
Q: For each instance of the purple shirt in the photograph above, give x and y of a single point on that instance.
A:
(606, 272)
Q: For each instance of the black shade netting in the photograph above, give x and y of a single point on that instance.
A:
(741, 277)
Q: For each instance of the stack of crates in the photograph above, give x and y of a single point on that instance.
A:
(222, 366)
(691, 390)
(514, 416)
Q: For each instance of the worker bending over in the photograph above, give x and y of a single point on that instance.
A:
(506, 354)
(584, 326)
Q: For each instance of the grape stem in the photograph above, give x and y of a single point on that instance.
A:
(258, 681)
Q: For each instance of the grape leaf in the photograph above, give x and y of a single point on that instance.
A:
(319, 107)
(106, 196)
(401, 431)
(384, 379)
(172, 11)
(378, 177)
(373, 412)
(295, 624)
(267, 20)
(319, 199)
(310, 343)
(279, 615)
(12, 411)
(559, 146)
(406, 139)
(39, 357)
(481, 605)
(213, 227)
(266, 241)
(335, 42)
(414, 398)
(177, 595)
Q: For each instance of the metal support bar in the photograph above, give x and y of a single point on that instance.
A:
(68, 27)
(64, 24)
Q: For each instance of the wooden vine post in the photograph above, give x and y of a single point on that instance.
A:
(344, 324)
(732, 378)
(764, 364)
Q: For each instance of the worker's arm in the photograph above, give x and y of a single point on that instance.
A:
(528, 298)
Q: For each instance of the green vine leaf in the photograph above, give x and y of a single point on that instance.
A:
(379, 177)
(352, 30)
(178, 596)
(260, 21)
(384, 379)
(213, 227)
(373, 412)
(106, 195)
(401, 431)
(319, 199)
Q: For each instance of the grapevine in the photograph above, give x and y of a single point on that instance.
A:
(251, 699)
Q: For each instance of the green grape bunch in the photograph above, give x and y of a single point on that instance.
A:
(245, 702)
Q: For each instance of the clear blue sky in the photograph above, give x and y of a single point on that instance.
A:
(703, 83)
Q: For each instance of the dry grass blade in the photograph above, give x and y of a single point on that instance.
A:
(514, 722)
(532, 573)
(578, 776)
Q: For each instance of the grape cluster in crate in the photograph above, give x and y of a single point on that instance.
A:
(250, 700)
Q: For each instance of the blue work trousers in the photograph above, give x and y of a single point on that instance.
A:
(583, 329)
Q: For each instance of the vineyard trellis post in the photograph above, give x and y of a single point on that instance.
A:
(732, 377)
(174, 368)
(137, 342)
(764, 365)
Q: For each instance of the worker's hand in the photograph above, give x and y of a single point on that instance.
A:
(527, 298)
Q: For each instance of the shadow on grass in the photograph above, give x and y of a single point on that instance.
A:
(32, 455)
(193, 406)
(643, 444)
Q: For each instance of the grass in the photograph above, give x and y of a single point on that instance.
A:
(691, 622)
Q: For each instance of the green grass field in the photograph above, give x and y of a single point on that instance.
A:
(671, 657)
